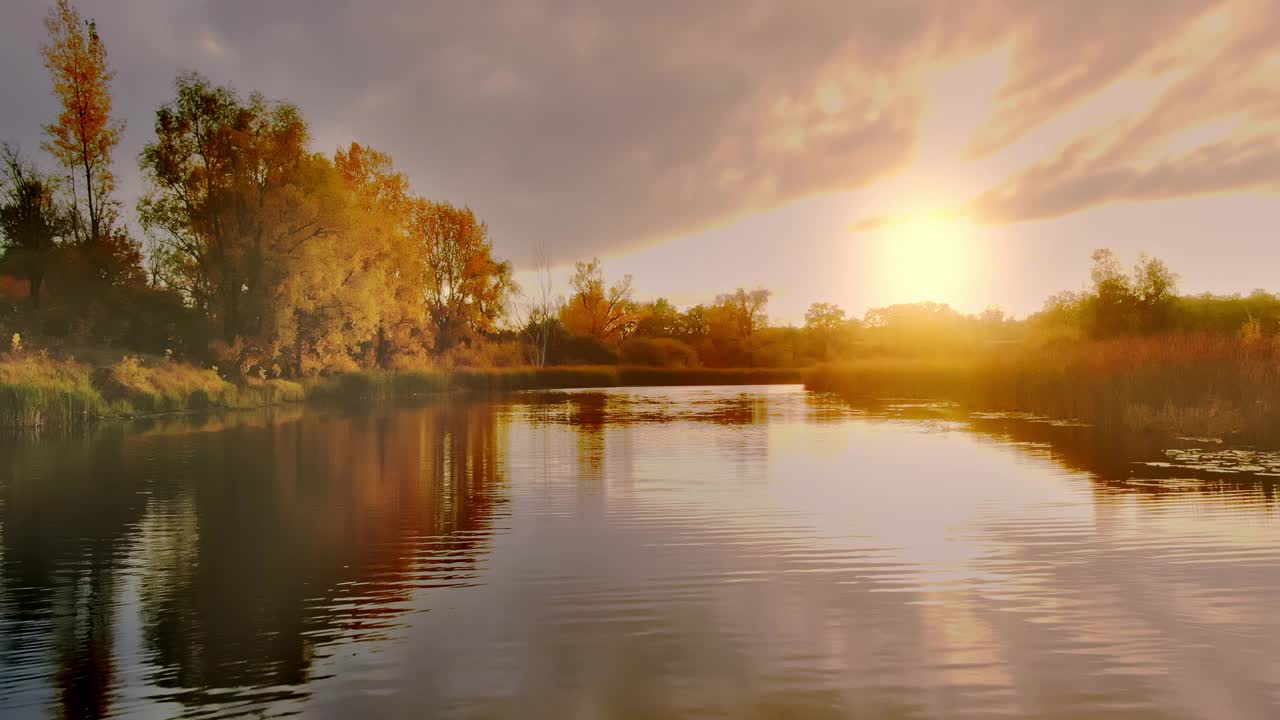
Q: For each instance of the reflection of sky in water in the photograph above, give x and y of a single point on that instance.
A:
(642, 553)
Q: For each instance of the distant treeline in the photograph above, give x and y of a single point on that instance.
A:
(264, 258)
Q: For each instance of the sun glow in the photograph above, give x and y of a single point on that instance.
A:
(927, 257)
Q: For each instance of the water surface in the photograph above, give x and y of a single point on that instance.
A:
(756, 552)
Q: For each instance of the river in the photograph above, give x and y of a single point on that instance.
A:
(728, 552)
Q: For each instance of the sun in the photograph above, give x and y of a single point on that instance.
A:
(927, 257)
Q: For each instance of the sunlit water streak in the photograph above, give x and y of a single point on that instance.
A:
(693, 552)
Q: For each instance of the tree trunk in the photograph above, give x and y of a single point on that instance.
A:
(35, 280)
(381, 354)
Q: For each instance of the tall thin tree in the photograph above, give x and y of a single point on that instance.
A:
(84, 134)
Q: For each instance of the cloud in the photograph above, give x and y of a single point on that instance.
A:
(592, 127)
(1065, 52)
(1215, 129)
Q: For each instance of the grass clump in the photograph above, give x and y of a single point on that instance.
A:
(37, 390)
(137, 387)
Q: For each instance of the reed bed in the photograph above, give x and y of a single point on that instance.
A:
(1203, 385)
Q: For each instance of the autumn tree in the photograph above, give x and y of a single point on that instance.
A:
(467, 287)
(607, 314)
(31, 223)
(250, 223)
(392, 276)
(732, 323)
(84, 135)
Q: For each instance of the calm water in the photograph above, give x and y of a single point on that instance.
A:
(700, 552)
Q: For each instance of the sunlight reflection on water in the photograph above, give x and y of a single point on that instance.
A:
(731, 552)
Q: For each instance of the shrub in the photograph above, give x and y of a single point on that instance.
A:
(580, 350)
(658, 352)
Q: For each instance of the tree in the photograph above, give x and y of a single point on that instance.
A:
(824, 322)
(1154, 288)
(746, 309)
(915, 327)
(392, 277)
(540, 324)
(732, 322)
(249, 223)
(467, 288)
(1113, 299)
(31, 222)
(607, 314)
(84, 134)
(658, 319)
(691, 325)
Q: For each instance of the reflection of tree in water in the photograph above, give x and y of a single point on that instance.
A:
(65, 524)
(588, 414)
(320, 531)
(1123, 462)
(593, 410)
(258, 546)
(592, 414)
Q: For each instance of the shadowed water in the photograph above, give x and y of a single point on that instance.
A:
(738, 552)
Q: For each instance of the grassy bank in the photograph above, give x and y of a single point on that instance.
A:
(38, 390)
(1184, 384)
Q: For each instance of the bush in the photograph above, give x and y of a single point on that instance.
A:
(485, 353)
(580, 350)
(658, 352)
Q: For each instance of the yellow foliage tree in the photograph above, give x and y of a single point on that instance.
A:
(466, 287)
(607, 314)
(385, 248)
(84, 134)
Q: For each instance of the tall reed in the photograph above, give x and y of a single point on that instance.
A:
(1186, 384)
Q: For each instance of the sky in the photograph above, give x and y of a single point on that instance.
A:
(861, 153)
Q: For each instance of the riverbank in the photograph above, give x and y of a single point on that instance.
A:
(38, 390)
(1195, 385)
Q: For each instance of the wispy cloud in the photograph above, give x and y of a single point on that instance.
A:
(591, 127)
